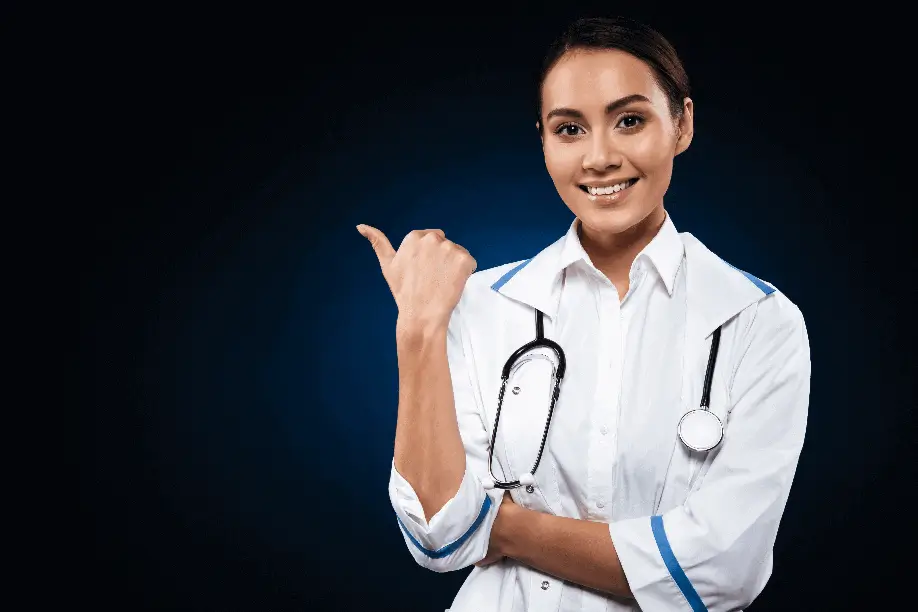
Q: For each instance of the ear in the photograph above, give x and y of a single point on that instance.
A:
(539, 130)
(686, 126)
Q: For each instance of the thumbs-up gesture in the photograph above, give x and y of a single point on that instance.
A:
(426, 275)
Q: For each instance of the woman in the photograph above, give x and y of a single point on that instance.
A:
(622, 509)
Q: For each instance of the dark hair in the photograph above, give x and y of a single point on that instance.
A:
(629, 36)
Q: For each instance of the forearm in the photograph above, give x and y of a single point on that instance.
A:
(428, 448)
(574, 550)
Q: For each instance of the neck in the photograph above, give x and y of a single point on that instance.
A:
(613, 254)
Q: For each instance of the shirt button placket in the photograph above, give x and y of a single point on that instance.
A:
(610, 404)
(598, 448)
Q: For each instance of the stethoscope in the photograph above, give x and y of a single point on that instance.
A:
(699, 429)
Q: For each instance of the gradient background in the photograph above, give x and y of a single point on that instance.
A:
(240, 338)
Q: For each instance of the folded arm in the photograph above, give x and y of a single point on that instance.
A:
(571, 549)
(440, 458)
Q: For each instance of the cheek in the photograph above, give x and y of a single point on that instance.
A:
(653, 153)
(562, 163)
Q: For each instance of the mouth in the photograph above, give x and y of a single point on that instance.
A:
(608, 191)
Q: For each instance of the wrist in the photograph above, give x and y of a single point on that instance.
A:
(413, 330)
(509, 528)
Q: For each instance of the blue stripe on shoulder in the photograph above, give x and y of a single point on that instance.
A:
(758, 282)
(449, 548)
(672, 564)
(506, 277)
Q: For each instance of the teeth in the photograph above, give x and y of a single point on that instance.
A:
(608, 190)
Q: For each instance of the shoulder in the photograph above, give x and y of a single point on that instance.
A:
(774, 319)
(778, 320)
(774, 309)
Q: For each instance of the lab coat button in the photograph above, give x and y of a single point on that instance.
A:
(530, 489)
(600, 504)
(603, 430)
(544, 585)
(516, 390)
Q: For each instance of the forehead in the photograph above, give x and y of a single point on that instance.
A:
(585, 78)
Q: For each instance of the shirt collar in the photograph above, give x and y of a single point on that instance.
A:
(665, 252)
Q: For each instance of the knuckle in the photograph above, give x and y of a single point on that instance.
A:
(465, 259)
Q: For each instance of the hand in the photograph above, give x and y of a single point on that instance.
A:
(504, 515)
(426, 275)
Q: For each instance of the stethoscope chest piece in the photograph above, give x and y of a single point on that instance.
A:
(700, 429)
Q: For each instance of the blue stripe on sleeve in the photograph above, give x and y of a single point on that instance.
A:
(675, 570)
(446, 550)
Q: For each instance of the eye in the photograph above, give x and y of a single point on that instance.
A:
(630, 122)
(568, 129)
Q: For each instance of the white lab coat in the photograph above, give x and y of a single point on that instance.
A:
(693, 531)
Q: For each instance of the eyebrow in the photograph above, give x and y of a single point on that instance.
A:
(610, 108)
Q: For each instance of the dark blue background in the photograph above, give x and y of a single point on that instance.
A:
(240, 338)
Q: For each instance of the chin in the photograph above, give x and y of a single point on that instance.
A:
(612, 220)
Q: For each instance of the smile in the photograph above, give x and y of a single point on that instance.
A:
(605, 190)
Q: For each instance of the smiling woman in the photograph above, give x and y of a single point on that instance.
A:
(616, 113)
(566, 474)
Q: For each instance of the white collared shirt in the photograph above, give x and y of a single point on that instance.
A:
(693, 531)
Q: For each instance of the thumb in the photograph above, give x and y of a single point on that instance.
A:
(379, 242)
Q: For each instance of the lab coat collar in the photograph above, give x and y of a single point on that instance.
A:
(716, 291)
(535, 282)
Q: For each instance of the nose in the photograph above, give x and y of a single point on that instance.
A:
(602, 154)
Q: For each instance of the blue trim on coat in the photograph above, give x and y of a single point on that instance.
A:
(758, 282)
(506, 277)
(449, 548)
(672, 564)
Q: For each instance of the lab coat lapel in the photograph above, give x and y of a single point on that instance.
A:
(716, 290)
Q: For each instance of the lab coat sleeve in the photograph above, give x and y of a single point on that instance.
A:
(458, 535)
(714, 552)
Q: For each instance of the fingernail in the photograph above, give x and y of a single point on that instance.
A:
(361, 231)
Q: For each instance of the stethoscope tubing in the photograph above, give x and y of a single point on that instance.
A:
(541, 341)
